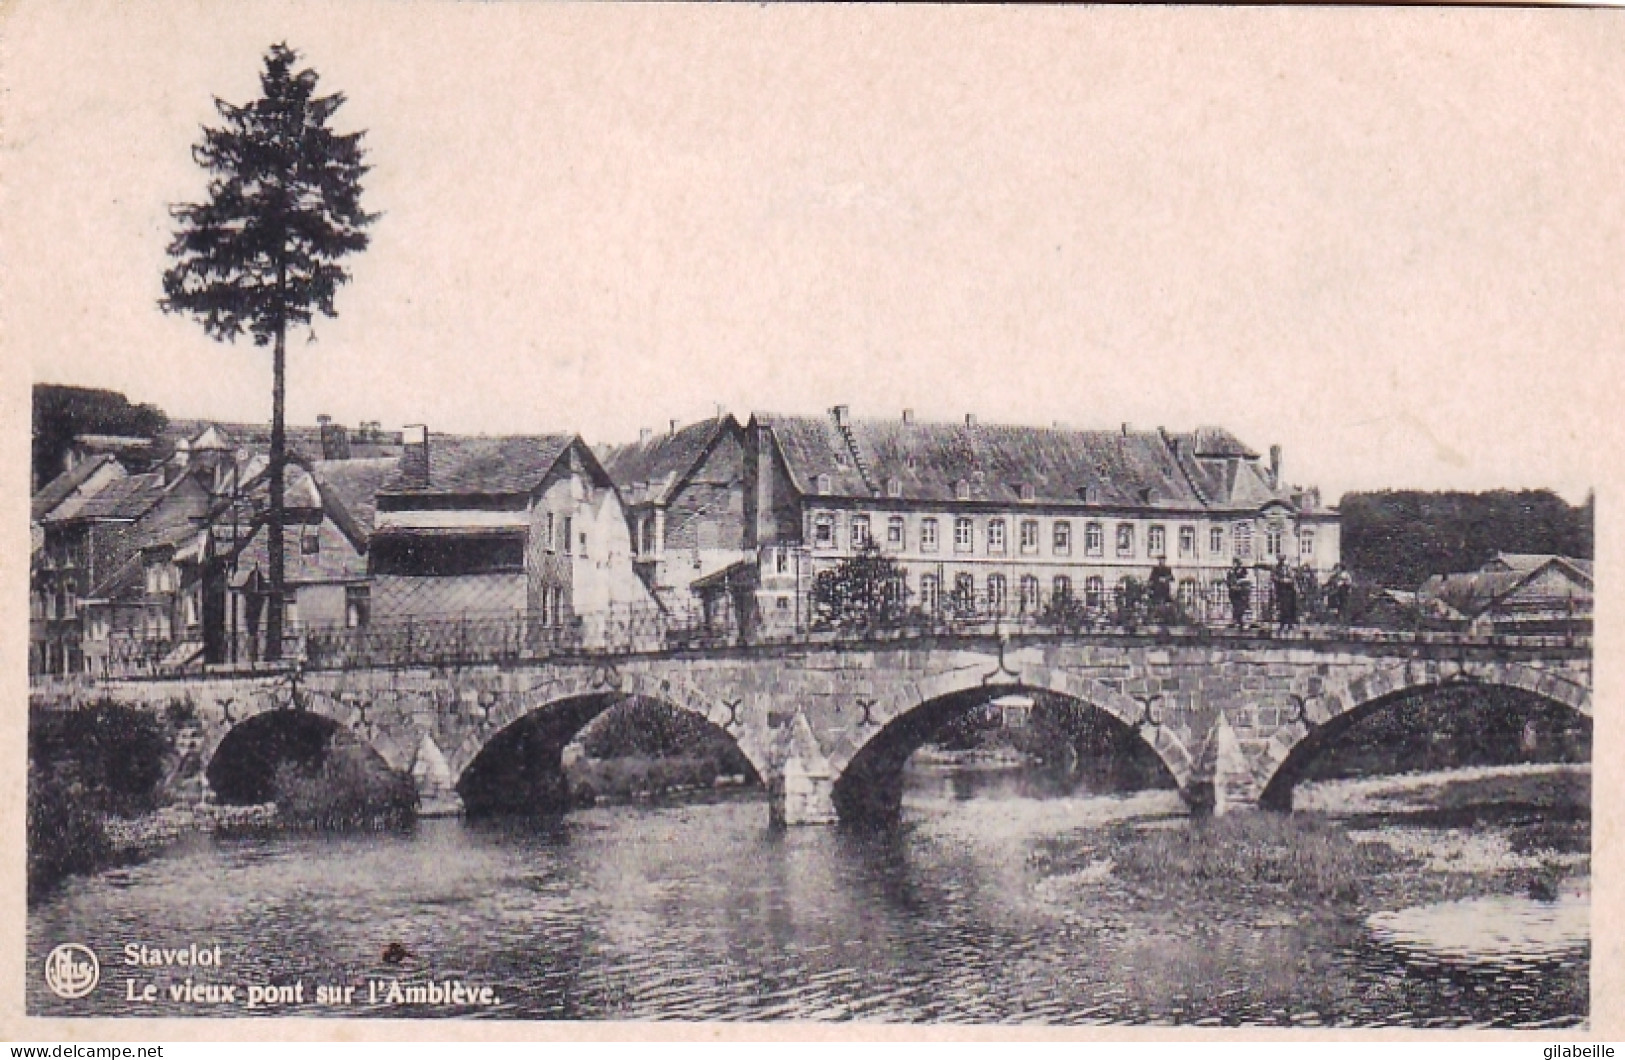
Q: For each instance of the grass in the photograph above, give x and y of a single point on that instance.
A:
(1302, 855)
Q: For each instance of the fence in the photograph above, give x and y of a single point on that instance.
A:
(505, 636)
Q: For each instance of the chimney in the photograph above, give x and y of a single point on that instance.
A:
(908, 417)
(1275, 466)
(671, 429)
(840, 412)
(335, 439)
(644, 434)
(1125, 428)
(415, 459)
(970, 419)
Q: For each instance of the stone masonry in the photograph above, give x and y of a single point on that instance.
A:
(1223, 713)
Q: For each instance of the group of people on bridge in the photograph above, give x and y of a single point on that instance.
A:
(1291, 588)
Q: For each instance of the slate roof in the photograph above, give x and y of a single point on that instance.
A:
(482, 465)
(125, 498)
(1529, 562)
(336, 560)
(349, 491)
(1471, 593)
(1059, 465)
(648, 471)
(62, 487)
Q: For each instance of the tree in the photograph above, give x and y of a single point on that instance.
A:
(864, 590)
(262, 254)
(61, 412)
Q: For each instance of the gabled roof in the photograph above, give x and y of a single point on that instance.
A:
(59, 489)
(485, 465)
(1006, 464)
(337, 559)
(122, 499)
(1530, 562)
(1467, 595)
(651, 471)
(349, 492)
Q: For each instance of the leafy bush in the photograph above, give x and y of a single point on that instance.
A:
(65, 832)
(113, 754)
(350, 788)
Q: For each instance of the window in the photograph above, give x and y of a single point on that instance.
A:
(1274, 540)
(964, 534)
(1061, 538)
(894, 487)
(1125, 539)
(782, 561)
(1094, 591)
(1306, 543)
(1028, 492)
(1029, 536)
(964, 592)
(996, 595)
(928, 592)
(1089, 495)
(859, 535)
(1215, 540)
(549, 538)
(1120, 594)
(1029, 594)
(928, 535)
(1187, 541)
(558, 605)
(1187, 595)
(962, 490)
(1244, 540)
(995, 537)
(1157, 541)
(1061, 588)
(357, 606)
(823, 483)
(310, 543)
(648, 535)
(823, 530)
(569, 524)
(894, 532)
(1094, 539)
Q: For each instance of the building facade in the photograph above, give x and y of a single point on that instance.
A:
(1006, 521)
(684, 491)
(527, 527)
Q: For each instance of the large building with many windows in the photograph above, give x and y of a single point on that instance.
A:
(1005, 520)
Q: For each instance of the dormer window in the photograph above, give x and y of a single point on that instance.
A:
(1148, 495)
(894, 487)
(962, 490)
(1089, 495)
(840, 459)
(1028, 491)
(823, 484)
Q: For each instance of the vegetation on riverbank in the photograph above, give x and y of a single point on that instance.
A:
(1301, 855)
(644, 748)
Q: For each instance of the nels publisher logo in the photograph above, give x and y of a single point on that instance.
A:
(72, 970)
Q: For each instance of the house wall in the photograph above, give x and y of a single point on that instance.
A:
(1202, 564)
(396, 598)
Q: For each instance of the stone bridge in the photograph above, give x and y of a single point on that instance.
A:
(828, 726)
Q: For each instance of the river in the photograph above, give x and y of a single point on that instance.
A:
(703, 912)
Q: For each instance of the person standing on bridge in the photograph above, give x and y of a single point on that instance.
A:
(1286, 597)
(1162, 592)
(1240, 589)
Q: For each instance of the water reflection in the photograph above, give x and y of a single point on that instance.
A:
(704, 912)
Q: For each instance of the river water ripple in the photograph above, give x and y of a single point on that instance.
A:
(702, 912)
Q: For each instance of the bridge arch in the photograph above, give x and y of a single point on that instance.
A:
(286, 707)
(540, 722)
(1324, 718)
(868, 771)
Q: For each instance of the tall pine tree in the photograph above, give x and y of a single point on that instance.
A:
(262, 254)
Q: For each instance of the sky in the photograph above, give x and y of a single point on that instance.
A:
(1388, 240)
